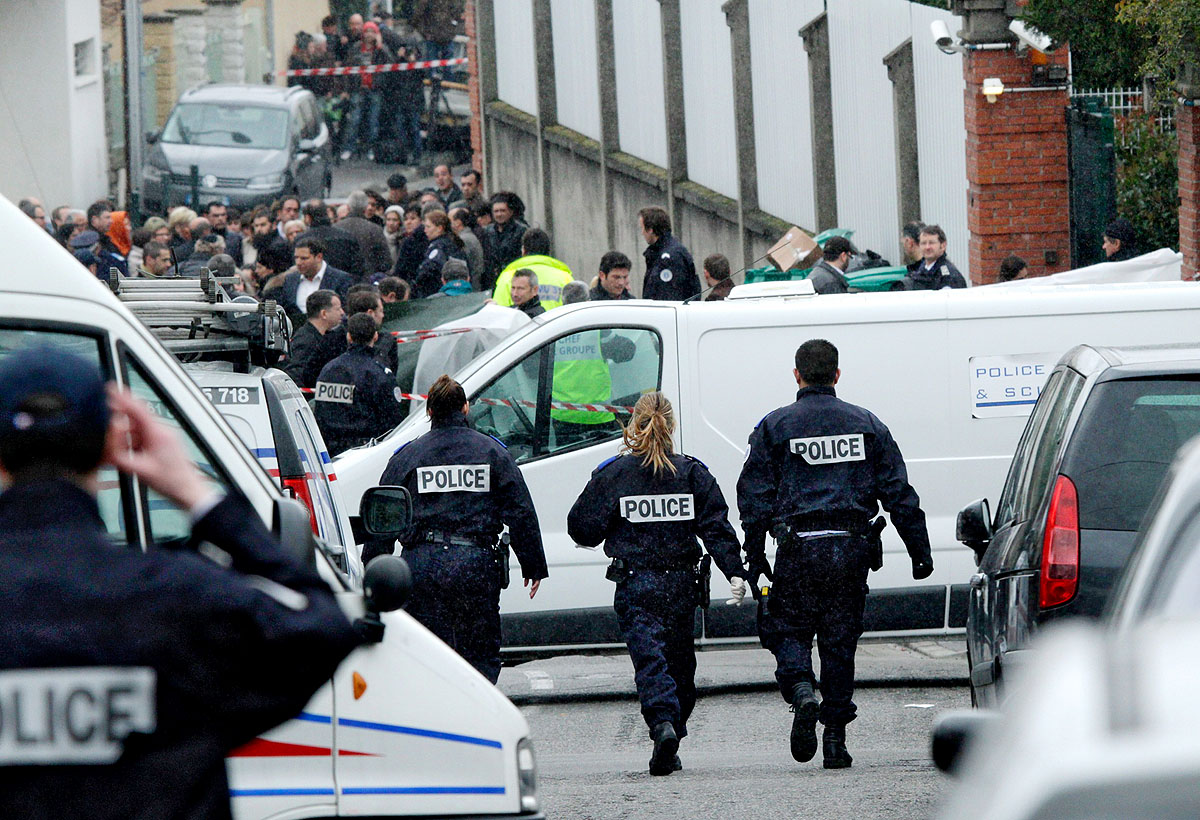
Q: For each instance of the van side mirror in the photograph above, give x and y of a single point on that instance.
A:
(385, 511)
(151, 137)
(387, 582)
(306, 146)
(292, 524)
(953, 734)
(974, 526)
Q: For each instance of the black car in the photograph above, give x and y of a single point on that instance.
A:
(1104, 430)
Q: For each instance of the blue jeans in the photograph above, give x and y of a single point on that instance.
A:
(436, 51)
(360, 100)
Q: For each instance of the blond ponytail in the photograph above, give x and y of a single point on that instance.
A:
(648, 433)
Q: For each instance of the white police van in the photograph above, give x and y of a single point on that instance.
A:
(953, 374)
(406, 727)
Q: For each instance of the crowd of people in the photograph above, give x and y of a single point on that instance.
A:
(378, 115)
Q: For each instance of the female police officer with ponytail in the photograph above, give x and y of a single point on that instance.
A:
(465, 487)
(648, 505)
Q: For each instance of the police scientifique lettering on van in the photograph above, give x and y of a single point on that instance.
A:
(830, 449)
(332, 391)
(73, 716)
(640, 509)
(455, 478)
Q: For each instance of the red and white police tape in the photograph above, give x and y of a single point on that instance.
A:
(403, 336)
(339, 71)
(554, 405)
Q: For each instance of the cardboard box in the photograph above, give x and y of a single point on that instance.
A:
(795, 249)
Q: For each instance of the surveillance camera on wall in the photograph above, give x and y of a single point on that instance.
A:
(1030, 38)
(942, 38)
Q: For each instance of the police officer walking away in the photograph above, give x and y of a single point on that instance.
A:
(465, 487)
(128, 676)
(648, 506)
(355, 396)
(816, 472)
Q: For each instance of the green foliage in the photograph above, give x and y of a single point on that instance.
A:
(1173, 27)
(1107, 51)
(1148, 181)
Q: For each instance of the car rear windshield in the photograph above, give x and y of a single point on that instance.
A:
(225, 125)
(1127, 435)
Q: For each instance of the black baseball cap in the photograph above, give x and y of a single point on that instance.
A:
(76, 383)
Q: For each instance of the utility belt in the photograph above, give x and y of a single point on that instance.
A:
(620, 569)
(499, 550)
(801, 528)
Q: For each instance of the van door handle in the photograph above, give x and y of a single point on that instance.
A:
(978, 580)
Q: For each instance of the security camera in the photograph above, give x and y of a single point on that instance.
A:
(942, 38)
(1030, 38)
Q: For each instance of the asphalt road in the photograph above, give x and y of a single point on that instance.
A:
(592, 759)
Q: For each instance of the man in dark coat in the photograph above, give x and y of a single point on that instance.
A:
(341, 248)
(318, 341)
(670, 271)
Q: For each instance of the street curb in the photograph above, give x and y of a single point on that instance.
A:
(552, 698)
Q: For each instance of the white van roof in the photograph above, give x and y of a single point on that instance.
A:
(33, 262)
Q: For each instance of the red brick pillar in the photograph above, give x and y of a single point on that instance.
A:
(1187, 126)
(1017, 179)
(473, 88)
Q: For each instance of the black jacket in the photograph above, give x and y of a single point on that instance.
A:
(355, 399)
(446, 470)
(428, 279)
(653, 521)
(503, 246)
(670, 272)
(599, 294)
(310, 351)
(942, 275)
(341, 249)
(371, 241)
(199, 658)
(532, 307)
(822, 463)
(411, 254)
(273, 251)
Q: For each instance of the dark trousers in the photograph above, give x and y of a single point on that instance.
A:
(456, 596)
(819, 590)
(657, 615)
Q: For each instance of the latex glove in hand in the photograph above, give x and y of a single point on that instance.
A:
(737, 589)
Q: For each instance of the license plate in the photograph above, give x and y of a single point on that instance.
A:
(232, 395)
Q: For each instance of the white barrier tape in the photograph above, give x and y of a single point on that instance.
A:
(339, 71)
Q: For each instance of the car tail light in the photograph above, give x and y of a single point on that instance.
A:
(297, 488)
(1060, 546)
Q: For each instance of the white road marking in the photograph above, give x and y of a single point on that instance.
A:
(539, 681)
(918, 706)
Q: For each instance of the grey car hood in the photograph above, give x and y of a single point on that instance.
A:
(219, 160)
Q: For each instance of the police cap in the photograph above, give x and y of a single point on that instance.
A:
(73, 388)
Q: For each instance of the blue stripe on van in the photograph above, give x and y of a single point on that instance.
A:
(368, 790)
(263, 452)
(403, 730)
(1005, 403)
(281, 792)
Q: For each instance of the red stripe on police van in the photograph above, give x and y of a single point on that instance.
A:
(274, 748)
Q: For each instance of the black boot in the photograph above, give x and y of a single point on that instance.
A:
(804, 723)
(666, 744)
(836, 756)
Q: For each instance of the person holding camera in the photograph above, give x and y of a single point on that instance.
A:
(815, 476)
(649, 505)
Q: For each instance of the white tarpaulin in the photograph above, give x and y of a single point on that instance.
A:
(1163, 265)
(449, 354)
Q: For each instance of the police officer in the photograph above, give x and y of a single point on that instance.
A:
(465, 487)
(126, 677)
(648, 506)
(355, 396)
(815, 474)
(670, 271)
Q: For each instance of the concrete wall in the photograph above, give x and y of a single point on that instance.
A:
(56, 152)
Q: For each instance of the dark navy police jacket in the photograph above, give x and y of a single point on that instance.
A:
(466, 484)
(355, 399)
(653, 522)
(126, 677)
(822, 463)
(670, 271)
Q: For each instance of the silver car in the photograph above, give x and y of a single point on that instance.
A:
(249, 144)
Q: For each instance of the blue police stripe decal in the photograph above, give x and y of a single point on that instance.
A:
(264, 452)
(404, 730)
(606, 462)
(498, 441)
(368, 790)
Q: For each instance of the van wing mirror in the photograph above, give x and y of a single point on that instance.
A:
(955, 732)
(306, 145)
(974, 526)
(385, 511)
(387, 581)
(292, 524)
